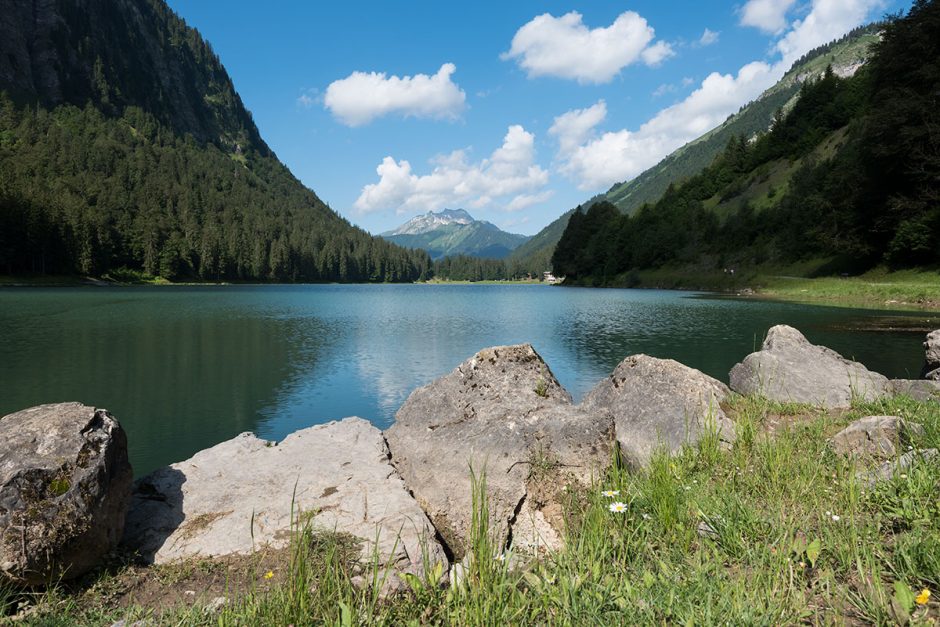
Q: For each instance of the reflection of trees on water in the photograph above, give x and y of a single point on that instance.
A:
(178, 382)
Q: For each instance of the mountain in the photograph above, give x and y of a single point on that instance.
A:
(846, 180)
(455, 232)
(845, 55)
(124, 145)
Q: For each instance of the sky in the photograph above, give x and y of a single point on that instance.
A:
(515, 111)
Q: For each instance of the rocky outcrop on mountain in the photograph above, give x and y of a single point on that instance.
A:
(790, 369)
(246, 493)
(502, 414)
(659, 404)
(65, 485)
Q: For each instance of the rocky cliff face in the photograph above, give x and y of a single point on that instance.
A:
(116, 53)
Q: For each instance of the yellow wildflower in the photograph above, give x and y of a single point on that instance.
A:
(269, 574)
(923, 597)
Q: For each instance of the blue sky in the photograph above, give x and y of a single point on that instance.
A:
(515, 111)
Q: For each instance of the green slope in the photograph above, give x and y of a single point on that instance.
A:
(123, 143)
(846, 182)
(754, 118)
(477, 239)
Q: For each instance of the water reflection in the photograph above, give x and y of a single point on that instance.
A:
(185, 368)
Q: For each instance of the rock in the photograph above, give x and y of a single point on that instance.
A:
(65, 485)
(875, 436)
(932, 361)
(247, 493)
(918, 389)
(504, 412)
(659, 403)
(790, 369)
(888, 469)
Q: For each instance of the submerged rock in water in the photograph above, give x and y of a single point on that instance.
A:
(501, 413)
(65, 484)
(790, 369)
(660, 403)
(246, 493)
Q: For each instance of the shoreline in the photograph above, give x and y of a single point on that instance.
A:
(910, 291)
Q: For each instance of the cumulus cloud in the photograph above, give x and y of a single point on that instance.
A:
(595, 160)
(574, 127)
(708, 38)
(827, 20)
(769, 16)
(598, 160)
(565, 47)
(509, 173)
(364, 96)
(524, 201)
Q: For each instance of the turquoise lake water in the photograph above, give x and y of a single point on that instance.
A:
(184, 368)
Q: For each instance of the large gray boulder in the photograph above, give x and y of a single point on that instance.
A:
(875, 437)
(501, 412)
(65, 484)
(247, 493)
(932, 357)
(790, 369)
(659, 403)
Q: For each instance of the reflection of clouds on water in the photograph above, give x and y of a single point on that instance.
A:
(185, 368)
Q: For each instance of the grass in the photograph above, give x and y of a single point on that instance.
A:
(776, 531)
(918, 289)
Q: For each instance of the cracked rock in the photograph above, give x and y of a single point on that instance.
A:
(501, 412)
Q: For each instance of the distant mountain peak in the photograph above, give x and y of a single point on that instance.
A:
(454, 232)
(431, 221)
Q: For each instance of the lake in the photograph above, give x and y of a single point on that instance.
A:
(184, 368)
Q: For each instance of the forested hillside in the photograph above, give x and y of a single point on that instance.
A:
(849, 178)
(123, 144)
(844, 55)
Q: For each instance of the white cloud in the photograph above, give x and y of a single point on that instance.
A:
(620, 155)
(657, 53)
(595, 160)
(565, 47)
(363, 96)
(708, 38)
(769, 16)
(510, 172)
(524, 201)
(574, 127)
(827, 20)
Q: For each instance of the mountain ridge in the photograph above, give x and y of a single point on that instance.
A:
(754, 118)
(452, 232)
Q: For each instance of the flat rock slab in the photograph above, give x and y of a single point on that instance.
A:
(659, 403)
(503, 412)
(65, 485)
(790, 369)
(246, 493)
(880, 437)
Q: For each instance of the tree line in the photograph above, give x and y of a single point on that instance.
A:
(863, 189)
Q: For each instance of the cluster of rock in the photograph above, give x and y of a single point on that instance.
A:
(405, 495)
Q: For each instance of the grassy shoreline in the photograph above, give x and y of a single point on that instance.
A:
(776, 530)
